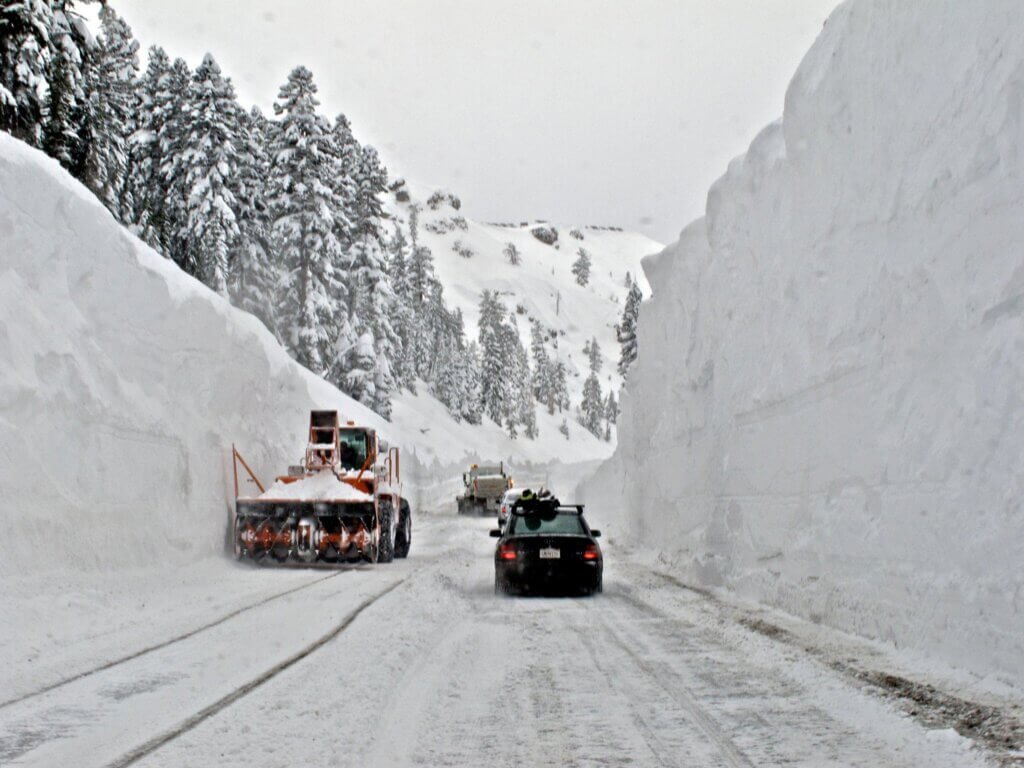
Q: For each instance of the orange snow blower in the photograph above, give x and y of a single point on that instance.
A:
(343, 503)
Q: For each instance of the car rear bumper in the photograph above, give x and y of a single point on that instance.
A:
(553, 577)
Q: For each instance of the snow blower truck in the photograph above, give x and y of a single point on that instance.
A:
(343, 503)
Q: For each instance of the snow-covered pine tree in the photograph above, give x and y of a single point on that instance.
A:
(253, 275)
(611, 408)
(469, 381)
(303, 206)
(559, 388)
(208, 159)
(494, 389)
(625, 331)
(109, 111)
(65, 126)
(371, 309)
(371, 183)
(592, 409)
(57, 140)
(513, 255)
(541, 383)
(421, 284)
(525, 404)
(174, 106)
(146, 182)
(403, 318)
(345, 159)
(592, 351)
(24, 47)
(581, 267)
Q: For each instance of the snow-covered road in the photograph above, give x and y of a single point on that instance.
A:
(419, 663)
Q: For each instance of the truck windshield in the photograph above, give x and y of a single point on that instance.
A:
(354, 448)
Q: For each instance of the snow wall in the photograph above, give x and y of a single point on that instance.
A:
(123, 383)
(827, 414)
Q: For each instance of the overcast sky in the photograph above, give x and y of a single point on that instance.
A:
(579, 111)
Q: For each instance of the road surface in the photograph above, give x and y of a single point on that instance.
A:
(418, 663)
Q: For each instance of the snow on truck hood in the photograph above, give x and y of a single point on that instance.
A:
(323, 486)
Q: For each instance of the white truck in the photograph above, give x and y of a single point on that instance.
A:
(485, 485)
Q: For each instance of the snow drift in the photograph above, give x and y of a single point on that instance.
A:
(122, 384)
(827, 413)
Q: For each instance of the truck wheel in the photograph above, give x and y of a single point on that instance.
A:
(236, 540)
(403, 537)
(386, 544)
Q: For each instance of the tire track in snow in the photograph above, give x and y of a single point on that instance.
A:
(730, 753)
(209, 711)
(165, 643)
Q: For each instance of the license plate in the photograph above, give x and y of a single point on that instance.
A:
(550, 553)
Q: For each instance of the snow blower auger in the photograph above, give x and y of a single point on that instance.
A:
(342, 504)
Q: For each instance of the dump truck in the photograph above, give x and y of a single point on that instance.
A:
(342, 503)
(485, 484)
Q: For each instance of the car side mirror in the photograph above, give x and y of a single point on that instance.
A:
(495, 533)
(595, 533)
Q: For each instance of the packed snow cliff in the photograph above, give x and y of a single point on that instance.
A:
(827, 413)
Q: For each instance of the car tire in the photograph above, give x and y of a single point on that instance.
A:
(501, 587)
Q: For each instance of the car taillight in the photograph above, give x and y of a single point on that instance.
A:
(591, 552)
(507, 552)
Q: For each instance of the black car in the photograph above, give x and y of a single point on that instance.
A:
(547, 548)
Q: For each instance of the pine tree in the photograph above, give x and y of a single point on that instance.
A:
(208, 159)
(559, 388)
(253, 275)
(595, 359)
(58, 141)
(625, 331)
(525, 404)
(611, 409)
(541, 383)
(371, 310)
(109, 111)
(469, 385)
(371, 182)
(24, 47)
(493, 353)
(67, 115)
(564, 428)
(403, 318)
(172, 108)
(303, 205)
(345, 159)
(592, 409)
(512, 254)
(581, 267)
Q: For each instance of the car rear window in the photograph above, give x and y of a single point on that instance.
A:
(567, 523)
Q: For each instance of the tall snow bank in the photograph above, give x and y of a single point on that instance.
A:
(827, 413)
(123, 383)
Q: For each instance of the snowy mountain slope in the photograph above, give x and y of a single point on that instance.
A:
(543, 284)
(826, 412)
(123, 383)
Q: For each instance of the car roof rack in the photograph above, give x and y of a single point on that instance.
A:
(533, 506)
